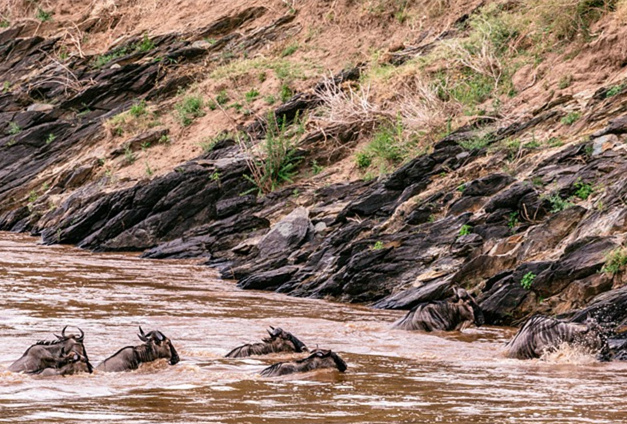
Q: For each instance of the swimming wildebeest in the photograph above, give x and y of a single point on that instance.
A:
(46, 354)
(443, 315)
(542, 334)
(68, 364)
(156, 346)
(279, 341)
(319, 358)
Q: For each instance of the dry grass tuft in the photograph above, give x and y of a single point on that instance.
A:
(348, 106)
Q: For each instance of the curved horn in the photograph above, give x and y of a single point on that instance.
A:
(63, 332)
(141, 335)
(82, 336)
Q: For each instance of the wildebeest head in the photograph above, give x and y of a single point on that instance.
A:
(161, 345)
(464, 297)
(73, 363)
(278, 334)
(45, 354)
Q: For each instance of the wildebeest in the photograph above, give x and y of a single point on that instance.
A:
(46, 354)
(279, 341)
(443, 315)
(156, 346)
(542, 334)
(318, 359)
(68, 364)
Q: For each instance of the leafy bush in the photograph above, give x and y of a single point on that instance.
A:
(363, 160)
(571, 118)
(14, 128)
(138, 109)
(527, 280)
(222, 98)
(465, 230)
(476, 143)
(558, 204)
(251, 95)
(615, 261)
(615, 90)
(278, 159)
(145, 45)
(289, 50)
(190, 108)
(377, 246)
(43, 15)
(584, 190)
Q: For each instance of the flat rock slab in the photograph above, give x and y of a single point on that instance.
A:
(287, 234)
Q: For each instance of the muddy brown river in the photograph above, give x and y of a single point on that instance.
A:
(393, 375)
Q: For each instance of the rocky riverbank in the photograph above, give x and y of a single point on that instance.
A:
(528, 227)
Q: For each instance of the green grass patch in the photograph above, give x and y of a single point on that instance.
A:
(615, 261)
(189, 108)
(527, 280)
(289, 50)
(465, 230)
(571, 118)
(43, 15)
(14, 128)
(251, 95)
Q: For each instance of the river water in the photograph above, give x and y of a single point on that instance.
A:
(393, 375)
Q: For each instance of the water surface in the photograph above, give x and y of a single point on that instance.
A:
(393, 375)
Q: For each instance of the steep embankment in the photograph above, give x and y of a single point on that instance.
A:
(413, 146)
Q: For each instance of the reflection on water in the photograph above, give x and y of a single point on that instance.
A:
(393, 376)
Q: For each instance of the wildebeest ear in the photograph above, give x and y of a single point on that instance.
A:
(160, 336)
(62, 352)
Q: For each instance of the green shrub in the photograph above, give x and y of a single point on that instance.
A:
(190, 108)
(377, 246)
(558, 204)
(571, 118)
(145, 45)
(584, 190)
(527, 280)
(103, 59)
(476, 143)
(43, 15)
(4, 23)
(138, 109)
(289, 50)
(513, 221)
(465, 230)
(269, 99)
(251, 95)
(286, 93)
(129, 156)
(615, 261)
(51, 137)
(615, 90)
(363, 160)
(279, 159)
(14, 128)
(222, 98)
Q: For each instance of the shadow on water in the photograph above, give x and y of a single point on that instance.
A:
(393, 376)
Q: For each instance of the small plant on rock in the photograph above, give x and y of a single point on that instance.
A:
(277, 161)
(584, 190)
(377, 246)
(527, 280)
(558, 204)
(615, 90)
(571, 118)
(43, 15)
(188, 109)
(615, 261)
(465, 230)
(14, 128)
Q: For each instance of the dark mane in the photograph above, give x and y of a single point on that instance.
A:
(49, 342)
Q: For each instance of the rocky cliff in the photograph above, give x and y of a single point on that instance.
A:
(399, 182)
